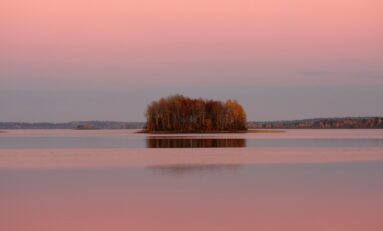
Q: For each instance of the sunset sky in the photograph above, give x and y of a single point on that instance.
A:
(64, 60)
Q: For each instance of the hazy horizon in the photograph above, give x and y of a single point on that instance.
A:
(96, 60)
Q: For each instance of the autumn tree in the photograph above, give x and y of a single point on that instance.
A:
(182, 114)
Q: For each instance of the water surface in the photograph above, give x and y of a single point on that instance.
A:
(61, 139)
(317, 180)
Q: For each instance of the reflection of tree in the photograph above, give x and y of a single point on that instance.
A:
(182, 114)
(181, 169)
(194, 143)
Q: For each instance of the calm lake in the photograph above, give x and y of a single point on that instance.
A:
(316, 180)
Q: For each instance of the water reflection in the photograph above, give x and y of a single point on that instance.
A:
(155, 142)
(181, 169)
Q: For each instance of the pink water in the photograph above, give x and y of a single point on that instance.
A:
(288, 187)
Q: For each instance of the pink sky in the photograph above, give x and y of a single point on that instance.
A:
(130, 41)
(67, 44)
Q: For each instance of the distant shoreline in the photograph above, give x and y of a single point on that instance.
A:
(318, 123)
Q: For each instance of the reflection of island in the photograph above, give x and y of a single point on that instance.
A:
(159, 142)
(181, 169)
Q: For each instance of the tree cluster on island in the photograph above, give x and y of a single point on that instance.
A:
(183, 114)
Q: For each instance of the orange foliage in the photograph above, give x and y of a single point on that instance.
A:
(182, 114)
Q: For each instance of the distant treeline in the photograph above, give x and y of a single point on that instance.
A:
(322, 123)
(182, 114)
(74, 125)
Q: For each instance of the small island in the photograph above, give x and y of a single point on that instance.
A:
(180, 114)
(85, 127)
